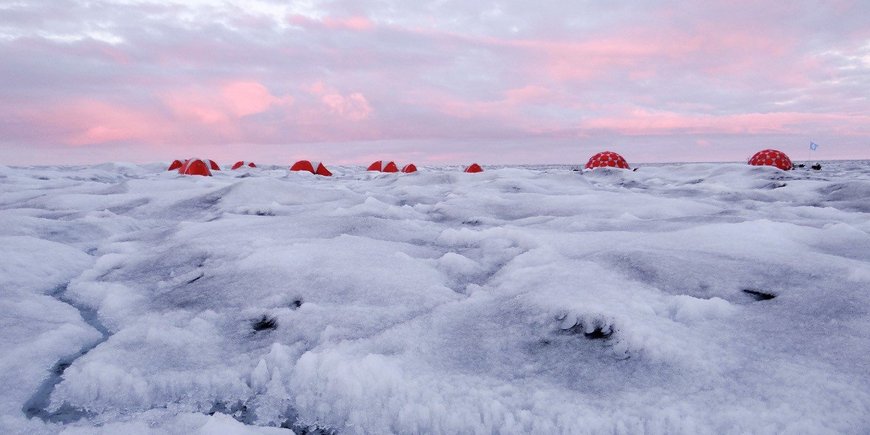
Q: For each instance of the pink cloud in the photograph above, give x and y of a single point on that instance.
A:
(86, 122)
(353, 23)
(225, 103)
(353, 106)
(357, 23)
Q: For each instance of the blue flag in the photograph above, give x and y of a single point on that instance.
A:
(813, 146)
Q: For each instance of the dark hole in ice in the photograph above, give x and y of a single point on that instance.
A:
(264, 323)
(759, 295)
(598, 333)
(296, 303)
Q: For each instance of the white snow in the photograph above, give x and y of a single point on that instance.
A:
(517, 300)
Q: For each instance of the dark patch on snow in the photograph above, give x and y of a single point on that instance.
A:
(599, 331)
(264, 323)
(816, 167)
(198, 277)
(307, 430)
(293, 423)
(774, 185)
(759, 295)
(239, 411)
(296, 304)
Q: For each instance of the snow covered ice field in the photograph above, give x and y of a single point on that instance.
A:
(696, 298)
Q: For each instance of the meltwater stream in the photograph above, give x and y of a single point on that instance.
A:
(38, 404)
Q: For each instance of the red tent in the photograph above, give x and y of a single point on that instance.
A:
(175, 165)
(410, 167)
(315, 168)
(474, 168)
(240, 163)
(194, 167)
(214, 166)
(774, 158)
(607, 159)
(381, 167)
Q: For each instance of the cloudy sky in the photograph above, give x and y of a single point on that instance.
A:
(449, 81)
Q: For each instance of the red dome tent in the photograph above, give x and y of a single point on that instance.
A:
(474, 168)
(607, 159)
(214, 166)
(240, 163)
(314, 168)
(381, 167)
(774, 158)
(175, 165)
(194, 167)
(410, 167)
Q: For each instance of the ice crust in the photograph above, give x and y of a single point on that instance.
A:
(693, 298)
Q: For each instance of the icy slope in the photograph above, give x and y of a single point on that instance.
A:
(705, 298)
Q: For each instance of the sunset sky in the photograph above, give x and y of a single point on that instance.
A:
(450, 81)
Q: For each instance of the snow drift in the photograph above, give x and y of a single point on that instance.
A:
(704, 298)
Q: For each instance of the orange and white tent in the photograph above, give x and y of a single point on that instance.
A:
(380, 166)
(175, 165)
(195, 167)
(241, 163)
(316, 168)
(473, 168)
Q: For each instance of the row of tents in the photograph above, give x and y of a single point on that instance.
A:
(604, 159)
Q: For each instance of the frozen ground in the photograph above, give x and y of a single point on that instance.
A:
(703, 298)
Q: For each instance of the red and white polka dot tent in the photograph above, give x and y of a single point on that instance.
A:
(240, 164)
(195, 167)
(409, 168)
(607, 159)
(316, 168)
(770, 157)
(175, 165)
(380, 166)
(474, 168)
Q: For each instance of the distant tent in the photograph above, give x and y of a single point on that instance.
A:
(474, 168)
(410, 167)
(214, 166)
(175, 165)
(195, 167)
(315, 168)
(240, 163)
(381, 167)
(607, 159)
(770, 157)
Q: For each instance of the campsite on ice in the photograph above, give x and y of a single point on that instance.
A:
(693, 298)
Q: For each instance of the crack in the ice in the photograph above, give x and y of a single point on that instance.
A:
(39, 402)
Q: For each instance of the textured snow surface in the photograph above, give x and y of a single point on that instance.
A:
(697, 298)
